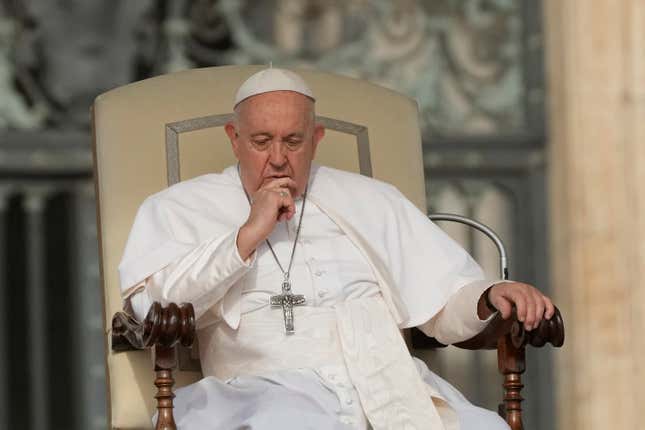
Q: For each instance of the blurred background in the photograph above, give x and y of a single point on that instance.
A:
(533, 118)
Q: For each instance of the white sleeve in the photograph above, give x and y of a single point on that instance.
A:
(458, 319)
(201, 277)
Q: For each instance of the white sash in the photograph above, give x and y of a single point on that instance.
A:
(393, 395)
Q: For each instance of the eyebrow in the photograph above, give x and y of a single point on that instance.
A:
(297, 135)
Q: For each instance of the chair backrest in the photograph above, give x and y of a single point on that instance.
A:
(152, 133)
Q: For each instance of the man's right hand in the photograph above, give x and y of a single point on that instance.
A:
(270, 204)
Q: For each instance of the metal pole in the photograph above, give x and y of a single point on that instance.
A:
(34, 205)
(4, 356)
(89, 347)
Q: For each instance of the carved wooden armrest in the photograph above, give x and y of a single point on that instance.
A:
(549, 331)
(162, 330)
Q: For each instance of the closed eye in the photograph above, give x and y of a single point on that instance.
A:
(293, 141)
(261, 141)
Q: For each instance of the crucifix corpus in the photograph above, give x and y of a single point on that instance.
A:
(287, 301)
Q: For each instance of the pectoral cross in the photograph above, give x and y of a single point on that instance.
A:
(287, 301)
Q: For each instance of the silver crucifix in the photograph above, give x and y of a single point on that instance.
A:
(287, 301)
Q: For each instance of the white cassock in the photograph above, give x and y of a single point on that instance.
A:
(368, 263)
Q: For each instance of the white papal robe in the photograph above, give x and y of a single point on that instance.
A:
(321, 374)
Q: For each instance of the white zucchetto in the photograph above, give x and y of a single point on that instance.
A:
(272, 79)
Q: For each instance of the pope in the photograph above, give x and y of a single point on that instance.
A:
(279, 231)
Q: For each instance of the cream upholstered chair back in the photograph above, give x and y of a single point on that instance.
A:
(151, 134)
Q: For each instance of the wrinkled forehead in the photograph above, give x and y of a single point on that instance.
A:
(276, 107)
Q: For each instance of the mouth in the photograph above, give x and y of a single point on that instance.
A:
(270, 177)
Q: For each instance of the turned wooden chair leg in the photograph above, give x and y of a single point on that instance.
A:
(511, 361)
(165, 361)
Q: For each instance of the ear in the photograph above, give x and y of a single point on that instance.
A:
(233, 136)
(319, 133)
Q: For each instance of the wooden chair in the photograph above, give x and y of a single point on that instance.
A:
(151, 134)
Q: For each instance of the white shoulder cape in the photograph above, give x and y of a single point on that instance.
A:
(418, 266)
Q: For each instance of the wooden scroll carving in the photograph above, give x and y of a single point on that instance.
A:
(162, 330)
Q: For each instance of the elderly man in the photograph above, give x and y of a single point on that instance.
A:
(301, 277)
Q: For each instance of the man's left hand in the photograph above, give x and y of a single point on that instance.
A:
(530, 303)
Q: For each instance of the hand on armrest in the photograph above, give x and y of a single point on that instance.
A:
(532, 306)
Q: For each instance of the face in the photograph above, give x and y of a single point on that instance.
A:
(275, 135)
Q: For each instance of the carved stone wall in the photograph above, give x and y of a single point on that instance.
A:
(464, 61)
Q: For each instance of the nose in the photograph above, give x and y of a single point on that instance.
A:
(277, 156)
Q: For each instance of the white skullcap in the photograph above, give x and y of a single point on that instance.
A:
(272, 79)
